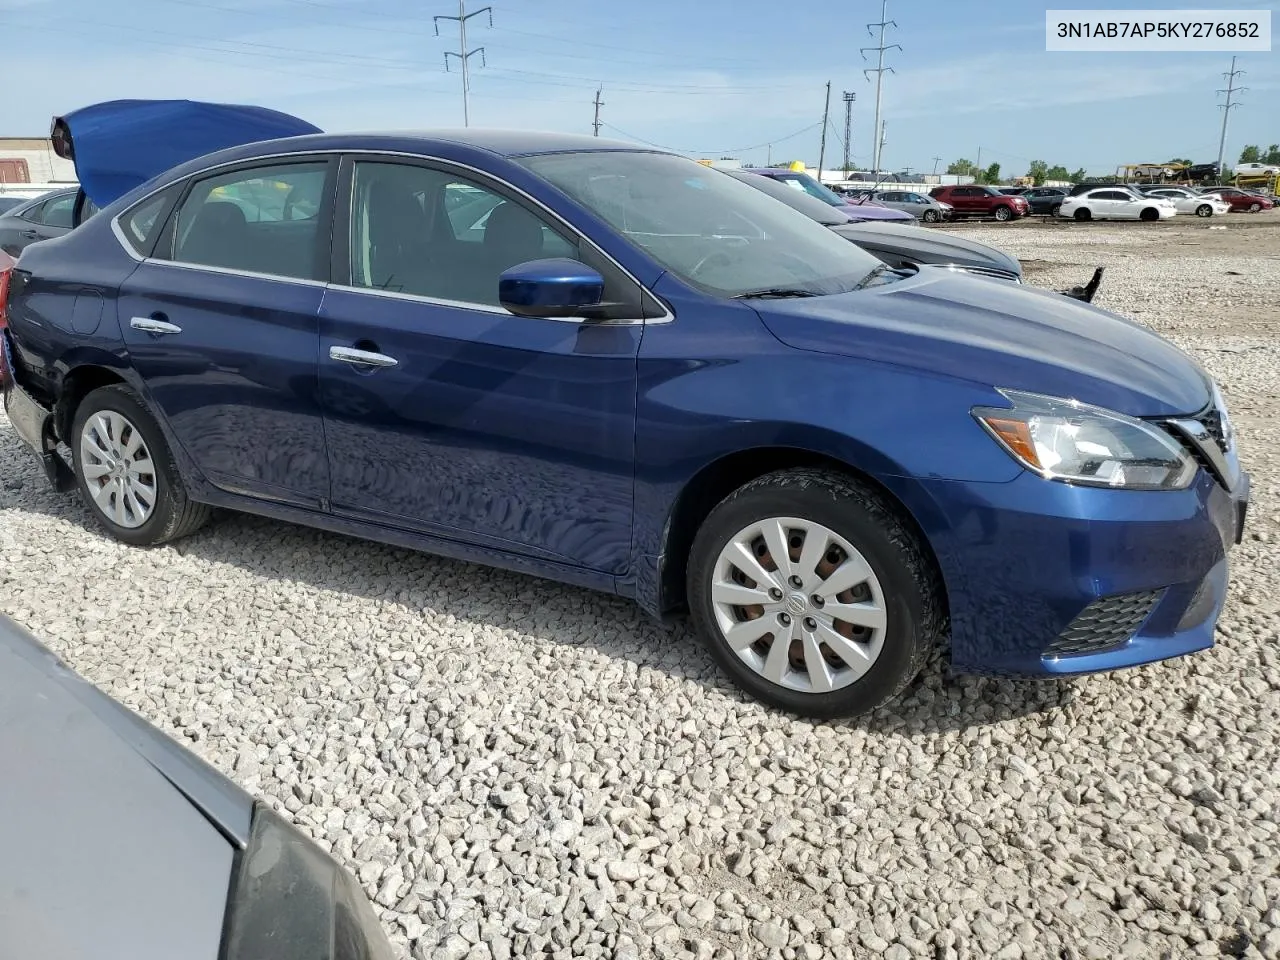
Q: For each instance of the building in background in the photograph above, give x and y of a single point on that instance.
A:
(32, 160)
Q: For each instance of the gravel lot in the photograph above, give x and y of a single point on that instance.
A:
(515, 768)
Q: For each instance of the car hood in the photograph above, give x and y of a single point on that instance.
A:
(104, 857)
(874, 211)
(998, 334)
(120, 144)
(920, 244)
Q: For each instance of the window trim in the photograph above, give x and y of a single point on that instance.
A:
(668, 316)
(34, 209)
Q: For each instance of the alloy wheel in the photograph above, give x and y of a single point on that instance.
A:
(799, 604)
(118, 469)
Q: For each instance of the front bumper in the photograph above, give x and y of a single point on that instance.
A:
(1028, 561)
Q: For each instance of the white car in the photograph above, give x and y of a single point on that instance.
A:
(1113, 203)
(1187, 201)
(1255, 169)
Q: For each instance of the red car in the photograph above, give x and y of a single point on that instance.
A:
(978, 201)
(1242, 202)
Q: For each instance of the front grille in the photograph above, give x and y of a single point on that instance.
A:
(1107, 622)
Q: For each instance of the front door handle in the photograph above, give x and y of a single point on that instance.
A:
(152, 325)
(30, 235)
(361, 358)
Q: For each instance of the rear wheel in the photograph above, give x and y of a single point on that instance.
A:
(1003, 214)
(1149, 215)
(1255, 207)
(1204, 210)
(813, 594)
(125, 472)
(1055, 210)
(1083, 214)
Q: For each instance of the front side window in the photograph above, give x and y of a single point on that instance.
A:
(261, 220)
(432, 233)
(712, 231)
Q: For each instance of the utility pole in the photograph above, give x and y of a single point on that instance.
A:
(879, 71)
(880, 144)
(769, 156)
(464, 55)
(595, 124)
(936, 161)
(978, 172)
(848, 128)
(1231, 90)
(822, 144)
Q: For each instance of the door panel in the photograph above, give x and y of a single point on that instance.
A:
(510, 431)
(237, 383)
(229, 356)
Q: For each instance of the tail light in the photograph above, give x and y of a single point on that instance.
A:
(5, 274)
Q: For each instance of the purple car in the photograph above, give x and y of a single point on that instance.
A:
(868, 210)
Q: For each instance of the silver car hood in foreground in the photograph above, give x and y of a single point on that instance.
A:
(102, 857)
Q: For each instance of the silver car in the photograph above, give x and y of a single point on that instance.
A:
(919, 205)
(121, 845)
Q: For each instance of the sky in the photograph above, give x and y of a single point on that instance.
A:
(710, 78)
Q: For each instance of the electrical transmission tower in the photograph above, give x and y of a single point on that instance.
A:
(848, 128)
(1231, 90)
(464, 55)
(879, 70)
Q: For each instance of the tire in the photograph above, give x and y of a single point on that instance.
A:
(1056, 210)
(1204, 210)
(109, 419)
(931, 216)
(1255, 208)
(899, 582)
(1003, 214)
(1149, 215)
(1083, 214)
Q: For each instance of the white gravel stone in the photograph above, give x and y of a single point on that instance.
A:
(514, 768)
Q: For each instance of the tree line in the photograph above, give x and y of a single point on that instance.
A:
(1038, 170)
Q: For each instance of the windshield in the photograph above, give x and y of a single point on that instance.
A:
(710, 230)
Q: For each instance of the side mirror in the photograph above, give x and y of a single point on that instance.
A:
(549, 288)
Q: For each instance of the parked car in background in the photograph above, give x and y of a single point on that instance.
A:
(1255, 169)
(158, 854)
(34, 220)
(1239, 200)
(1200, 172)
(980, 201)
(804, 183)
(1012, 191)
(644, 377)
(1114, 203)
(1188, 201)
(919, 205)
(1045, 200)
(8, 203)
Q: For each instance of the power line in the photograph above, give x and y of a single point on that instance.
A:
(464, 55)
(721, 152)
(1226, 108)
(879, 70)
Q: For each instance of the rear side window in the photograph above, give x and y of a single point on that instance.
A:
(141, 224)
(260, 220)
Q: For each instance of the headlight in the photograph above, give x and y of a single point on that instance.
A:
(1077, 443)
(291, 901)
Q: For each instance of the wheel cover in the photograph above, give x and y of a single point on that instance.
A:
(118, 469)
(813, 621)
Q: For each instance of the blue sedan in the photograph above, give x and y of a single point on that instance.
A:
(615, 367)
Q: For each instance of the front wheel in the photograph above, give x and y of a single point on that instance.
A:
(931, 216)
(1255, 207)
(1204, 210)
(812, 592)
(1004, 214)
(125, 472)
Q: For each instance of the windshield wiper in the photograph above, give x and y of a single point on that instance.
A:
(875, 272)
(774, 293)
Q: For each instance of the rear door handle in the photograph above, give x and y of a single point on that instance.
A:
(361, 358)
(152, 325)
